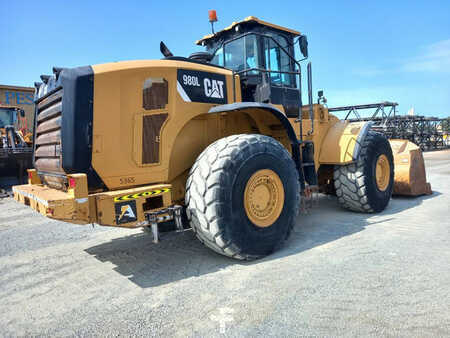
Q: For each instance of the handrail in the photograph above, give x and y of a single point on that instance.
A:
(265, 71)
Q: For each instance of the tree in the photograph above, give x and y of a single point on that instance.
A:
(446, 125)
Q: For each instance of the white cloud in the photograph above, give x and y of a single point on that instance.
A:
(436, 58)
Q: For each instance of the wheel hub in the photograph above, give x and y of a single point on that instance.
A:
(264, 198)
(382, 172)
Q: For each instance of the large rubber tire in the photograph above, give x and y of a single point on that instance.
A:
(215, 195)
(356, 186)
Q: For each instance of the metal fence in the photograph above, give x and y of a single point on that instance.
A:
(427, 132)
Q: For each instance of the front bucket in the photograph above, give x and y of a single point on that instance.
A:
(409, 177)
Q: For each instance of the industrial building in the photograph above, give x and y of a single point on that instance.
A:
(21, 97)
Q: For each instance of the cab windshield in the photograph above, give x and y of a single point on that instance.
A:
(243, 54)
(7, 117)
(239, 54)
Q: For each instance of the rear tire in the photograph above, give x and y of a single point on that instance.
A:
(356, 184)
(217, 190)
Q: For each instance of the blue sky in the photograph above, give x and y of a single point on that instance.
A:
(361, 51)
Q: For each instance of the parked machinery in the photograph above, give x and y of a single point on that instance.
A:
(427, 132)
(222, 134)
(407, 135)
(15, 147)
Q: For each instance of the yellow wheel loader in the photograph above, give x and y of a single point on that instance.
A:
(15, 147)
(219, 141)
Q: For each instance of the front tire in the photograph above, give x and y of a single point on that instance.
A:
(366, 186)
(242, 196)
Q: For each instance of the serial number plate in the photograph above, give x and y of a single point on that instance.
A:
(127, 180)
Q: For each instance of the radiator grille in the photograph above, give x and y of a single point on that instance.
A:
(151, 129)
(47, 151)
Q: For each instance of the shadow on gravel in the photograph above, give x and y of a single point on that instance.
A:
(180, 255)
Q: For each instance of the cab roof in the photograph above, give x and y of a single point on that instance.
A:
(246, 20)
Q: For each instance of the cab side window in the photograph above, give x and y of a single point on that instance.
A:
(277, 60)
(251, 53)
(234, 55)
(218, 57)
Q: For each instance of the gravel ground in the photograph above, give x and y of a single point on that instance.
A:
(340, 273)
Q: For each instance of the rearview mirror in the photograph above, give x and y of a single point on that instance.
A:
(22, 113)
(303, 42)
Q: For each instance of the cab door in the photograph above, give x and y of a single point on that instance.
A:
(283, 84)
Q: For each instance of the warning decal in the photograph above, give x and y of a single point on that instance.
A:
(141, 194)
(125, 212)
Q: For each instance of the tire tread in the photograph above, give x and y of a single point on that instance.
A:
(349, 180)
(210, 172)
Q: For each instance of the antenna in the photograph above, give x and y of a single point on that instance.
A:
(212, 18)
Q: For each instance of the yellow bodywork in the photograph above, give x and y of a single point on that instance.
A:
(71, 206)
(334, 139)
(118, 107)
(186, 129)
(339, 143)
(76, 205)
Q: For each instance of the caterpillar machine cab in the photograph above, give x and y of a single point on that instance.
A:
(222, 137)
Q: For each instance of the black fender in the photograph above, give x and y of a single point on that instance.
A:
(360, 140)
(252, 106)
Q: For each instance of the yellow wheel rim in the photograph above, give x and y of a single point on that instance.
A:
(382, 172)
(264, 198)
